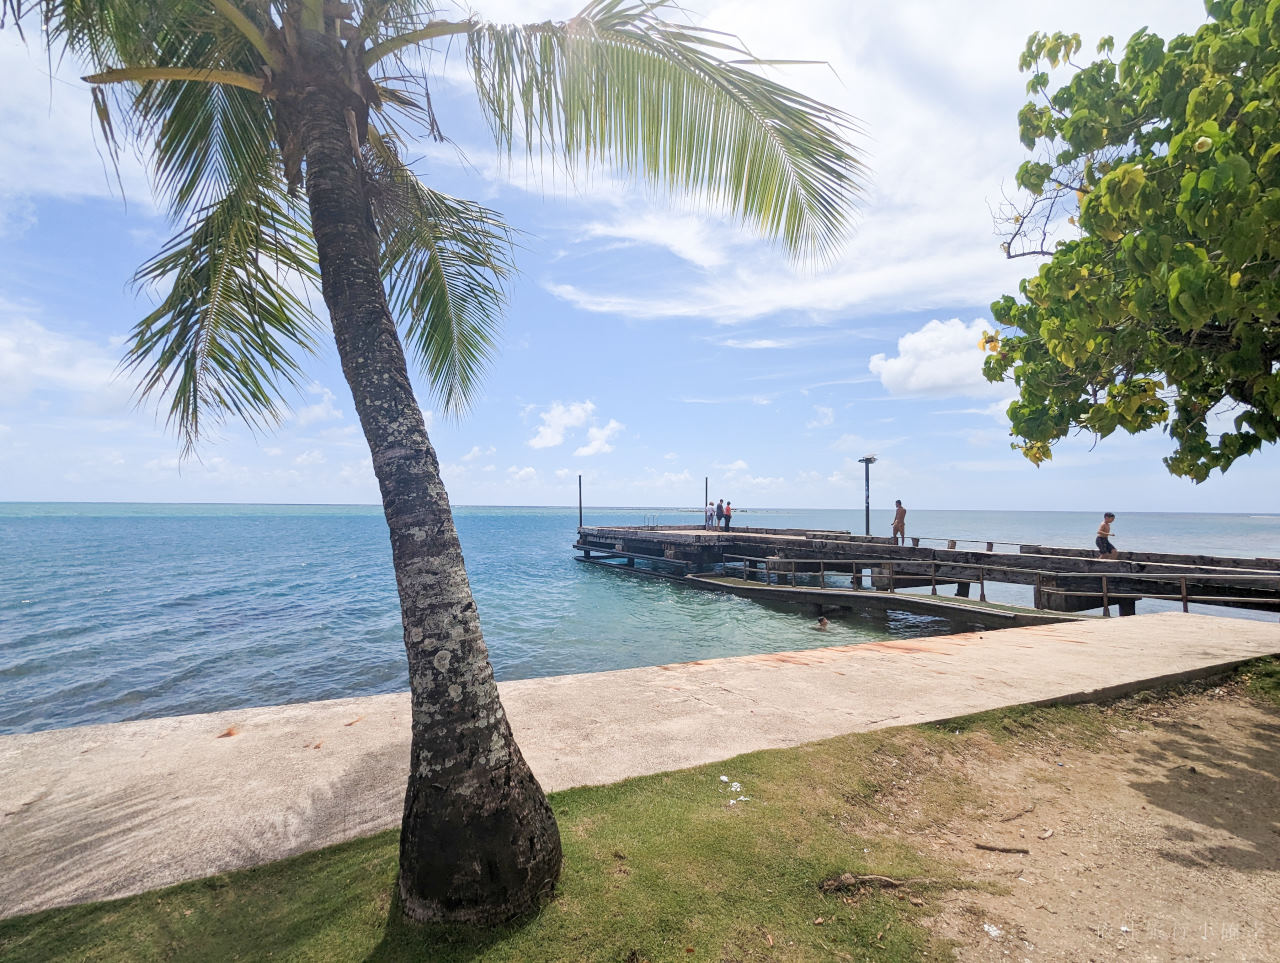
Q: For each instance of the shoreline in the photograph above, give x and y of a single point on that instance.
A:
(95, 812)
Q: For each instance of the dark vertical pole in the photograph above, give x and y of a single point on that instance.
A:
(706, 494)
(579, 501)
(867, 467)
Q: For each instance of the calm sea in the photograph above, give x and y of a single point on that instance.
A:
(117, 612)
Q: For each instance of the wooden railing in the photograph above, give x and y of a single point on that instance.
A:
(768, 566)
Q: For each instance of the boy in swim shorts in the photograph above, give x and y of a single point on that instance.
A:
(1103, 541)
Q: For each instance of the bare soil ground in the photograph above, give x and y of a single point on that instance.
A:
(1153, 839)
(1152, 833)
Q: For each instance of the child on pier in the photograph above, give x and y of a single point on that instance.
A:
(1103, 541)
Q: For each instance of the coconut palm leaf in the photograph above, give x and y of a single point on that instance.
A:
(225, 338)
(444, 261)
(678, 105)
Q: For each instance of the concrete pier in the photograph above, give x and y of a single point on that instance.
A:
(104, 811)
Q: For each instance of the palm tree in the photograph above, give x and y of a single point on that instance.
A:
(241, 103)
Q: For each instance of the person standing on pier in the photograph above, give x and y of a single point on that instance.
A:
(899, 523)
(719, 512)
(710, 516)
(728, 514)
(1103, 541)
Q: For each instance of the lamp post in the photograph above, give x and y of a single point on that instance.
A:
(867, 461)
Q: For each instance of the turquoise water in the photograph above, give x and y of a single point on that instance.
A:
(116, 612)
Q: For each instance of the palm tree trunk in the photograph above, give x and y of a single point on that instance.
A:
(479, 843)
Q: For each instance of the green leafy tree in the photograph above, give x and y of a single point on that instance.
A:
(1161, 309)
(274, 128)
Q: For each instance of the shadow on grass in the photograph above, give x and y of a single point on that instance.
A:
(405, 940)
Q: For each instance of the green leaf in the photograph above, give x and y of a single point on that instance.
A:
(681, 106)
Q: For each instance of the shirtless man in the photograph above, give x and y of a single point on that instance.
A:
(899, 524)
(1103, 541)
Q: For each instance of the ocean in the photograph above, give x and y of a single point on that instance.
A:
(112, 612)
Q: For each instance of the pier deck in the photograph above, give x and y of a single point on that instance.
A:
(991, 615)
(1064, 579)
(104, 811)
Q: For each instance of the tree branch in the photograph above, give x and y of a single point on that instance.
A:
(251, 33)
(437, 28)
(143, 75)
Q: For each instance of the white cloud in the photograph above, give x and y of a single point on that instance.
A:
(58, 154)
(522, 476)
(478, 452)
(942, 359)
(754, 344)
(669, 479)
(34, 358)
(860, 445)
(598, 439)
(558, 419)
(732, 467)
(690, 237)
(17, 215)
(823, 416)
(322, 410)
(311, 457)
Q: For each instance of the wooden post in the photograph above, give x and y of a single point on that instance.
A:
(579, 501)
(1184, 593)
(1106, 606)
(982, 584)
(915, 542)
(991, 546)
(1038, 596)
(822, 575)
(933, 578)
(890, 570)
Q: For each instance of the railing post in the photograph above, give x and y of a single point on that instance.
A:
(933, 578)
(822, 575)
(1037, 598)
(890, 577)
(982, 584)
(1106, 605)
(1184, 593)
(991, 546)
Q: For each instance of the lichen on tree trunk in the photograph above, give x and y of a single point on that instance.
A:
(478, 842)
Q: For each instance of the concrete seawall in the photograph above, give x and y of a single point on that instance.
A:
(103, 811)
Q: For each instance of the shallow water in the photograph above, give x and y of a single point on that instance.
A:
(116, 612)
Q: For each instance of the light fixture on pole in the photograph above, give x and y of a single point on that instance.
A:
(866, 461)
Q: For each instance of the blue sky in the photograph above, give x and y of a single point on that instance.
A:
(649, 342)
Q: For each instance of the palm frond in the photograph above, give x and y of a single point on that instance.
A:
(224, 339)
(679, 105)
(205, 137)
(444, 261)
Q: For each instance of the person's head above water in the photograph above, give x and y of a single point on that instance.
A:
(1109, 515)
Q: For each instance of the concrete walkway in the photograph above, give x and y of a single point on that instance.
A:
(104, 811)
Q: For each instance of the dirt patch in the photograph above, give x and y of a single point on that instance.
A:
(1155, 836)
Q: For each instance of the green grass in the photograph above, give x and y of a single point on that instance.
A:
(661, 867)
(657, 868)
(1262, 679)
